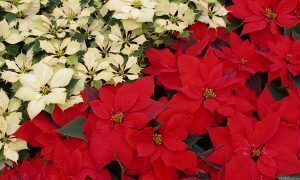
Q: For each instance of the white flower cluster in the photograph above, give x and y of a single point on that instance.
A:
(51, 49)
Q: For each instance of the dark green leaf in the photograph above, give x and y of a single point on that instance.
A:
(296, 32)
(296, 81)
(12, 49)
(36, 46)
(79, 37)
(10, 17)
(73, 128)
(277, 92)
(291, 177)
(234, 24)
(72, 84)
(191, 140)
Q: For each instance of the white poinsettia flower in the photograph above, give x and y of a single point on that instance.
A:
(94, 28)
(21, 7)
(137, 10)
(213, 13)
(22, 64)
(9, 34)
(94, 67)
(9, 124)
(106, 46)
(9, 107)
(44, 86)
(180, 16)
(73, 13)
(124, 70)
(42, 26)
(58, 50)
(127, 41)
(73, 95)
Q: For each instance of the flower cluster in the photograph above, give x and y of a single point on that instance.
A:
(149, 89)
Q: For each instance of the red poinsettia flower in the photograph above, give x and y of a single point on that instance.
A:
(163, 65)
(284, 56)
(165, 143)
(205, 84)
(261, 14)
(119, 109)
(41, 131)
(202, 31)
(251, 143)
(241, 57)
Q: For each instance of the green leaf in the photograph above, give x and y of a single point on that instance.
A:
(50, 108)
(12, 49)
(185, 34)
(296, 32)
(10, 17)
(73, 128)
(296, 81)
(233, 25)
(72, 60)
(78, 37)
(72, 85)
(191, 140)
(277, 92)
(96, 84)
(291, 177)
(1, 39)
(36, 46)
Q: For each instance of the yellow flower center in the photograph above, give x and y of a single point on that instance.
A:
(157, 139)
(60, 53)
(209, 93)
(255, 153)
(45, 89)
(288, 58)
(243, 61)
(269, 14)
(117, 118)
(136, 4)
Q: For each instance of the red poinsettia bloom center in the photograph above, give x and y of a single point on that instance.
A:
(255, 153)
(243, 61)
(269, 13)
(209, 93)
(288, 58)
(157, 139)
(117, 118)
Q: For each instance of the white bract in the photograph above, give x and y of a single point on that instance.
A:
(9, 124)
(21, 7)
(180, 16)
(124, 70)
(22, 64)
(94, 67)
(127, 41)
(58, 50)
(9, 34)
(44, 86)
(213, 13)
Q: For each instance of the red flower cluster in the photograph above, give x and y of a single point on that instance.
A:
(214, 105)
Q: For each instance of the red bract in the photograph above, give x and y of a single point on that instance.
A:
(205, 84)
(241, 57)
(119, 109)
(261, 14)
(284, 56)
(165, 143)
(248, 145)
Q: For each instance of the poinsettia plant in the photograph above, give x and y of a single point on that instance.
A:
(149, 89)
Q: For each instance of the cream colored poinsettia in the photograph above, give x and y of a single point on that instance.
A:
(58, 50)
(22, 64)
(73, 13)
(124, 70)
(9, 34)
(9, 124)
(213, 13)
(106, 46)
(133, 11)
(21, 7)
(41, 26)
(94, 67)
(127, 41)
(73, 95)
(180, 16)
(44, 86)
